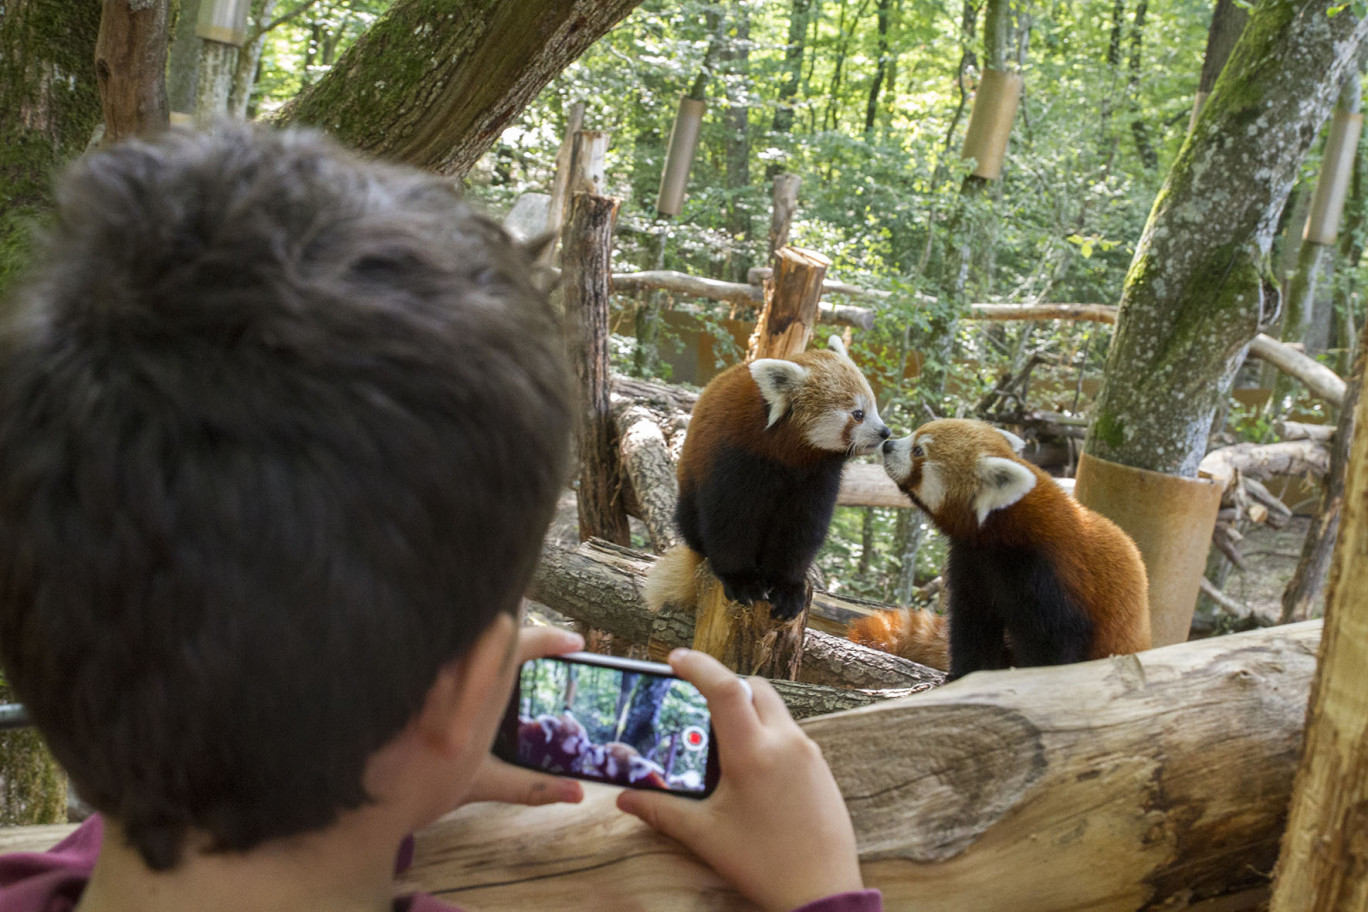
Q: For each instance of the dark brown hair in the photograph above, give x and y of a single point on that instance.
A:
(280, 432)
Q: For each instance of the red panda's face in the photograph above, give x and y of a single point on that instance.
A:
(958, 470)
(824, 394)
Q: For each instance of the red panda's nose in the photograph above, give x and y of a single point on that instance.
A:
(885, 433)
(888, 444)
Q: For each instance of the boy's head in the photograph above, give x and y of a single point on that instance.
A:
(280, 431)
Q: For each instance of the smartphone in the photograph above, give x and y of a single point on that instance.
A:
(605, 719)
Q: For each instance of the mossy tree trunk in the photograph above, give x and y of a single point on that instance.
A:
(434, 82)
(49, 106)
(1199, 287)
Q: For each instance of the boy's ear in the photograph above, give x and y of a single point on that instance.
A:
(465, 689)
(778, 381)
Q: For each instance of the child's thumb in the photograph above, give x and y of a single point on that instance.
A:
(668, 814)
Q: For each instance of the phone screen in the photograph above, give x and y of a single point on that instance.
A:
(610, 720)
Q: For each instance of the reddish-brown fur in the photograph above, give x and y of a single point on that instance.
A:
(921, 636)
(1095, 562)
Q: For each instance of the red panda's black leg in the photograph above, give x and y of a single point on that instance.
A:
(977, 630)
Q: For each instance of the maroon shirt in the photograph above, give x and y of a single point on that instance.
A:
(52, 881)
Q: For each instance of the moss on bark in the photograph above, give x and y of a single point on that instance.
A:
(1195, 295)
(434, 82)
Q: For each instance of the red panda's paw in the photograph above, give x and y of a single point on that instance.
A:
(787, 600)
(743, 588)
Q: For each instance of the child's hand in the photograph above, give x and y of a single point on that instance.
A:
(776, 826)
(500, 781)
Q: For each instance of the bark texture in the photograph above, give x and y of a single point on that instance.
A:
(434, 82)
(1195, 294)
(588, 252)
(791, 297)
(49, 105)
(130, 64)
(1324, 862)
(1147, 782)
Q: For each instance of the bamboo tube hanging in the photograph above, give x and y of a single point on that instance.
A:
(990, 121)
(683, 143)
(1332, 188)
(224, 21)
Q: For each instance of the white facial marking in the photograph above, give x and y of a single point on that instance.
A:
(1002, 482)
(897, 459)
(827, 432)
(778, 380)
(932, 489)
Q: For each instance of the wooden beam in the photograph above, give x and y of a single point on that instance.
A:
(740, 293)
(1145, 782)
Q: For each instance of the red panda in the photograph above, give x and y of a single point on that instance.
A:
(620, 764)
(1034, 577)
(551, 743)
(759, 473)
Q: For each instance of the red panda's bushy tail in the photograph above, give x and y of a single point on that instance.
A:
(922, 636)
(673, 579)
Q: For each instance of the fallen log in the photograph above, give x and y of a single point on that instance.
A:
(600, 585)
(1145, 782)
(650, 470)
(866, 484)
(1268, 460)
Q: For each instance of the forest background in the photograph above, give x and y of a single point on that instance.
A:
(867, 102)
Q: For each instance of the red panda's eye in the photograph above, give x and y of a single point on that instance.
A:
(917, 451)
(858, 414)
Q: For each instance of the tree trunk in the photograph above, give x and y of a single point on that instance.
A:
(49, 105)
(1228, 22)
(793, 69)
(881, 69)
(218, 63)
(182, 71)
(434, 82)
(1194, 296)
(588, 250)
(130, 66)
(1140, 128)
(736, 124)
(1324, 863)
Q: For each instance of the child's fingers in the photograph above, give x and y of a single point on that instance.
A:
(499, 781)
(769, 706)
(538, 642)
(729, 697)
(662, 812)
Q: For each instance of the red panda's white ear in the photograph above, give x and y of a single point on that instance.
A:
(1015, 442)
(1002, 482)
(778, 381)
(837, 344)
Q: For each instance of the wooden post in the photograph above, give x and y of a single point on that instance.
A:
(791, 297)
(130, 66)
(1324, 861)
(746, 639)
(585, 279)
(785, 205)
(560, 184)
